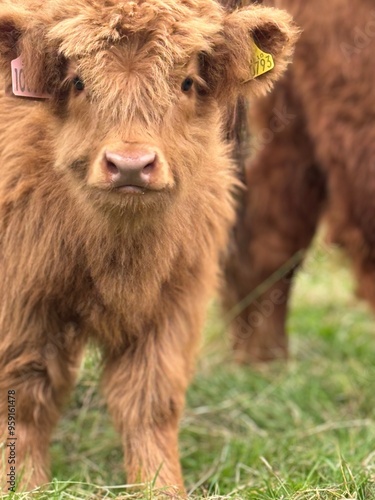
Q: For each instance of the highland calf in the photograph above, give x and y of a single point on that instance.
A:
(312, 154)
(115, 204)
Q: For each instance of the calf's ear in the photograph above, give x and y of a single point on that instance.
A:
(12, 25)
(257, 45)
(21, 34)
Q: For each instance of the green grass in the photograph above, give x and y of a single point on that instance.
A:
(304, 430)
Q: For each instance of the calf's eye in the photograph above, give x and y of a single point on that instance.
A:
(187, 84)
(78, 84)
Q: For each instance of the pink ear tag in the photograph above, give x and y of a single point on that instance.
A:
(19, 82)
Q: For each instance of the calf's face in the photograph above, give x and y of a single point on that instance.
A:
(138, 89)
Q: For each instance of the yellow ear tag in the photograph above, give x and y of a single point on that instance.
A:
(262, 63)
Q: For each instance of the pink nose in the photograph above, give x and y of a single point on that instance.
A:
(134, 169)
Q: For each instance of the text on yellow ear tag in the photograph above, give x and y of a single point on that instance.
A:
(262, 62)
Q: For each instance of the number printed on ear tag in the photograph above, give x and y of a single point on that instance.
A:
(262, 62)
(19, 82)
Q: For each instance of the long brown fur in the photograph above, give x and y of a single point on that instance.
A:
(80, 261)
(313, 154)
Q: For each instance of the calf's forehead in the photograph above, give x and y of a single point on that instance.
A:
(85, 26)
(130, 81)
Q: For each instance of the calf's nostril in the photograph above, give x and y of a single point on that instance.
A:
(149, 167)
(112, 168)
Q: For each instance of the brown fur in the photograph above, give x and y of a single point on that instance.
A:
(313, 153)
(80, 260)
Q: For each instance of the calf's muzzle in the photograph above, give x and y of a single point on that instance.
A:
(132, 170)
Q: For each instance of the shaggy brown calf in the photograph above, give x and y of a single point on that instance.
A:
(313, 152)
(115, 203)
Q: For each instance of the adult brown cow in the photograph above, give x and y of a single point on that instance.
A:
(115, 204)
(312, 153)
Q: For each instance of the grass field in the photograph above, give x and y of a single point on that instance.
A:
(305, 430)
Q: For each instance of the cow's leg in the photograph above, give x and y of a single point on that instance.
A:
(351, 216)
(364, 268)
(275, 224)
(145, 389)
(37, 373)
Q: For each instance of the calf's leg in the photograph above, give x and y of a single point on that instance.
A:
(145, 389)
(37, 372)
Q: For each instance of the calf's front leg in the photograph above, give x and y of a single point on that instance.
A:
(37, 371)
(145, 389)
